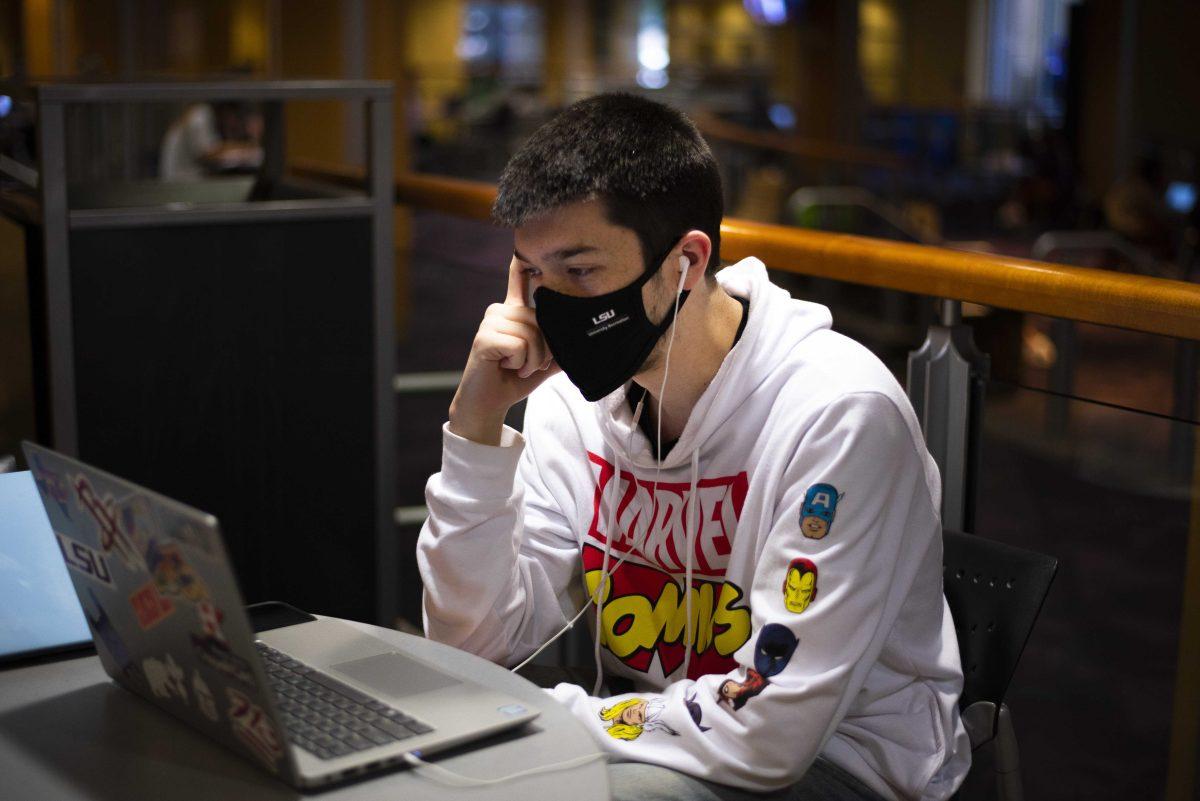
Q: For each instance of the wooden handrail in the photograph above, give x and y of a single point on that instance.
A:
(1139, 303)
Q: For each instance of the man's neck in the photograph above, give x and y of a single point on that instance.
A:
(705, 334)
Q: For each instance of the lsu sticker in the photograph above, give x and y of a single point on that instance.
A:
(149, 606)
(112, 538)
(253, 728)
(820, 506)
(204, 697)
(772, 652)
(628, 719)
(165, 677)
(83, 559)
(799, 585)
(645, 613)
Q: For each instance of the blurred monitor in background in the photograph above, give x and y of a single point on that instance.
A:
(1181, 197)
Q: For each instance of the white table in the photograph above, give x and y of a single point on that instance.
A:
(68, 732)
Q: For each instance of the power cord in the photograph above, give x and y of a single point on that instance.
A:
(448, 777)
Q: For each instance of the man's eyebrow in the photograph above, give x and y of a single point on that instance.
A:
(562, 254)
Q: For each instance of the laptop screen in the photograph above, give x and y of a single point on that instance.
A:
(39, 610)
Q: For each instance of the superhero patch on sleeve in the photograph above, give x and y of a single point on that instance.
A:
(628, 719)
(817, 513)
(800, 585)
(772, 652)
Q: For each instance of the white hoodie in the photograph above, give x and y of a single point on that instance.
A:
(801, 500)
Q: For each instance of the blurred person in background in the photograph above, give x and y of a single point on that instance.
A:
(211, 138)
(1136, 207)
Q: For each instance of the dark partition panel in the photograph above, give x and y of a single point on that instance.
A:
(228, 342)
(230, 366)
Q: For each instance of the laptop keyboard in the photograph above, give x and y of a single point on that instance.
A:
(326, 717)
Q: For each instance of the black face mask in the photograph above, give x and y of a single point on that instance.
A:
(601, 342)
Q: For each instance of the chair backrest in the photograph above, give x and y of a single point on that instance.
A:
(995, 592)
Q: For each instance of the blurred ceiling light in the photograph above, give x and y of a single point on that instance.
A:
(782, 116)
(651, 79)
(471, 47)
(770, 12)
(477, 20)
(652, 47)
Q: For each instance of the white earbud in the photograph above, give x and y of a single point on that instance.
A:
(684, 266)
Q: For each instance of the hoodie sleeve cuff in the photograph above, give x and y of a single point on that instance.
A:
(481, 470)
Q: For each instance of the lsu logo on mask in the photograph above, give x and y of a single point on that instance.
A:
(645, 608)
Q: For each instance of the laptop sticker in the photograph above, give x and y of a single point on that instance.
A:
(83, 559)
(204, 697)
(173, 575)
(253, 728)
(112, 538)
(108, 641)
(166, 678)
(150, 607)
(51, 483)
(212, 647)
(196, 538)
(210, 621)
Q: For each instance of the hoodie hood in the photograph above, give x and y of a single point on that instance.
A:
(777, 324)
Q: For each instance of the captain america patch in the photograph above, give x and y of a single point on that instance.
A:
(817, 512)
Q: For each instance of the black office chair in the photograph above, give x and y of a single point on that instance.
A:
(995, 592)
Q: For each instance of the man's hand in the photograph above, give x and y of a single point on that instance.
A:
(509, 360)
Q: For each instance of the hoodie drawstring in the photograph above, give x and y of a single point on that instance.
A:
(693, 505)
(610, 534)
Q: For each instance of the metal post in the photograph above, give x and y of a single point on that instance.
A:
(380, 183)
(947, 377)
(51, 132)
(1062, 377)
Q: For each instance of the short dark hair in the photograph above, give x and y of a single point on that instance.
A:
(645, 161)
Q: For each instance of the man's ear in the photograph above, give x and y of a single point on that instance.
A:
(696, 247)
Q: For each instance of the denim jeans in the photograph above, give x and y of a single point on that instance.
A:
(824, 781)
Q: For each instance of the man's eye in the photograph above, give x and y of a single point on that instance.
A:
(580, 272)
(530, 271)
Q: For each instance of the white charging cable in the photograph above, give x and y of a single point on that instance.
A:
(448, 777)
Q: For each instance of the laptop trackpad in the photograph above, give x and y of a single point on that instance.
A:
(394, 674)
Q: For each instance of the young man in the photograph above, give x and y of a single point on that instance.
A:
(780, 441)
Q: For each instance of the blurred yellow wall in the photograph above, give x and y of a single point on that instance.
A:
(438, 73)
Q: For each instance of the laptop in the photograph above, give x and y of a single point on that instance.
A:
(312, 703)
